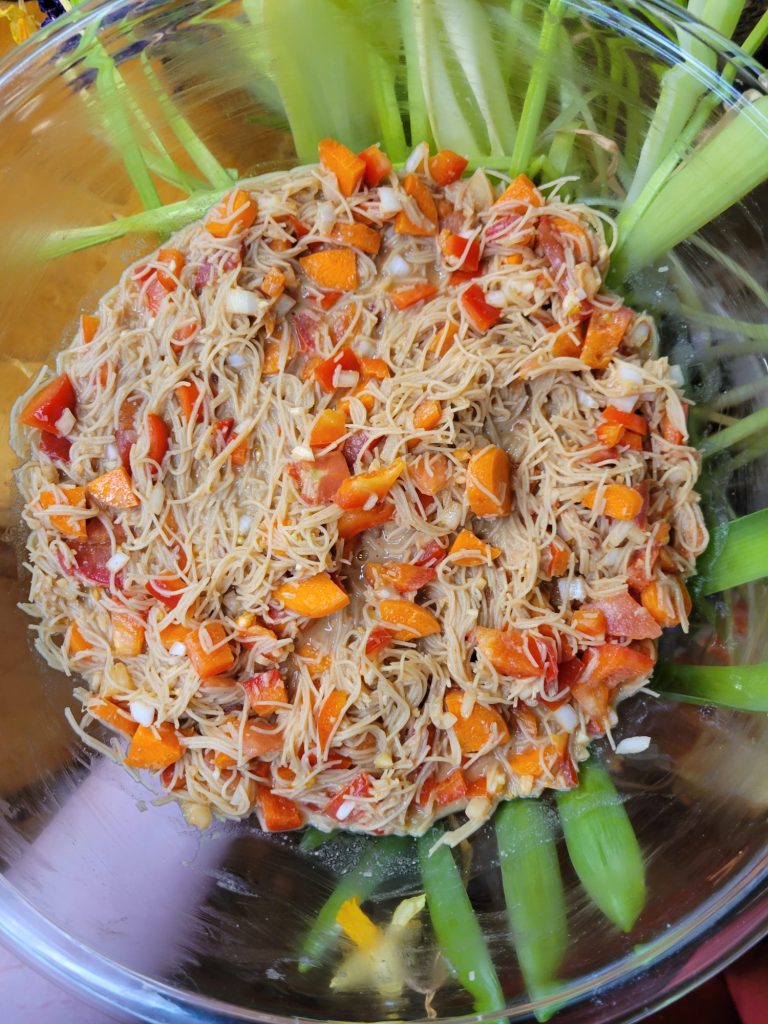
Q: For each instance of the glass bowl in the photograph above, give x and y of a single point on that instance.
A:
(126, 904)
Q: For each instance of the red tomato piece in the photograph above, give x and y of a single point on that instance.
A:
(319, 480)
(342, 807)
(627, 618)
(343, 361)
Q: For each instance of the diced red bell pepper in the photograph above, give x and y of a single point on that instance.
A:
(44, 409)
(433, 552)
(378, 640)
(360, 786)
(343, 361)
(458, 248)
(627, 618)
(614, 664)
(630, 420)
(356, 520)
(56, 448)
(451, 790)
(277, 813)
(551, 244)
(305, 328)
(166, 589)
(264, 690)
(481, 314)
(319, 480)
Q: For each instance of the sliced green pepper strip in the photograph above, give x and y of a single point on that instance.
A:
(533, 890)
(370, 871)
(456, 928)
(603, 846)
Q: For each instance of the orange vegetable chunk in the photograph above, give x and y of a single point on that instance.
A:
(488, 487)
(357, 490)
(353, 522)
(329, 427)
(232, 215)
(332, 268)
(277, 813)
(68, 525)
(127, 634)
(110, 714)
(330, 714)
(401, 576)
(341, 161)
(410, 619)
(154, 747)
(605, 332)
(314, 597)
(618, 501)
(377, 165)
(113, 490)
(445, 167)
(468, 550)
(88, 327)
(475, 730)
(521, 190)
(210, 656)
(403, 298)
(77, 642)
(511, 652)
(361, 236)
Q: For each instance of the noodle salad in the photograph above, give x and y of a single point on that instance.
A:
(362, 501)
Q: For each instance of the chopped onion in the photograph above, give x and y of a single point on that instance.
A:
(177, 649)
(416, 158)
(325, 218)
(141, 712)
(629, 372)
(65, 423)
(389, 201)
(241, 301)
(676, 374)
(300, 452)
(111, 452)
(478, 807)
(566, 717)
(396, 266)
(344, 811)
(633, 745)
(346, 378)
(236, 361)
(117, 561)
(625, 403)
(496, 298)
(585, 400)
(244, 524)
(284, 304)
(572, 589)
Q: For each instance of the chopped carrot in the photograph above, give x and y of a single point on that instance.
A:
(327, 373)
(264, 690)
(110, 714)
(470, 551)
(402, 576)
(403, 298)
(329, 716)
(618, 501)
(76, 642)
(46, 406)
(332, 268)
(348, 168)
(374, 369)
(443, 339)
(127, 634)
(329, 427)
(277, 813)
(488, 486)
(445, 167)
(412, 621)
(113, 490)
(427, 414)
(481, 314)
(510, 651)
(477, 729)
(357, 491)
(210, 656)
(314, 597)
(355, 521)
(273, 283)
(70, 526)
(667, 600)
(173, 262)
(605, 331)
(631, 420)
(88, 327)
(555, 558)
(154, 747)
(431, 472)
(589, 621)
(362, 237)
(377, 165)
(236, 212)
(451, 789)
(466, 250)
(189, 399)
(521, 190)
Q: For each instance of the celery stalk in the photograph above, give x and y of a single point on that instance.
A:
(737, 553)
(743, 687)
(533, 890)
(755, 423)
(418, 118)
(536, 94)
(603, 847)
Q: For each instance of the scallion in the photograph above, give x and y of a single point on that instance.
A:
(744, 687)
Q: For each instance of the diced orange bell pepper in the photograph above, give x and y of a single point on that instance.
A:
(173, 262)
(210, 656)
(264, 691)
(425, 201)
(332, 268)
(68, 525)
(488, 487)
(154, 747)
(277, 813)
(360, 236)
(618, 501)
(427, 414)
(614, 664)
(669, 432)
(431, 472)
(271, 363)
(88, 327)
(355, 521)
(314, 597)
(443, 339)
(348, 168)
(555, 558)
(329, 427)
(445, 167)
(450, 790)
(666, 600)
(189, 399)
(475, 730)
(567, 345)
(377, 165)
(236, 212)
(521, 190)
(273, 283)
(45, 408)
(378, 640)
(76, 642)
(113, 490)
(589, 621)
(358, 490)
(110, 714)
(174, 634)
(402, 576)
(327, 372)
(403, 298)
(410, 619)
(632, 440)
(330, 715)
(605, 332)
(536, 760)
(631, 420)
(127, 634)
(259, 739)
(481, 314)
(470, 551)
(510, 651)
(466, 250)
(374, 369)
(609, 433)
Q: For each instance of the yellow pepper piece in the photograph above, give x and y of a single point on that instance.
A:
(356, 924)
